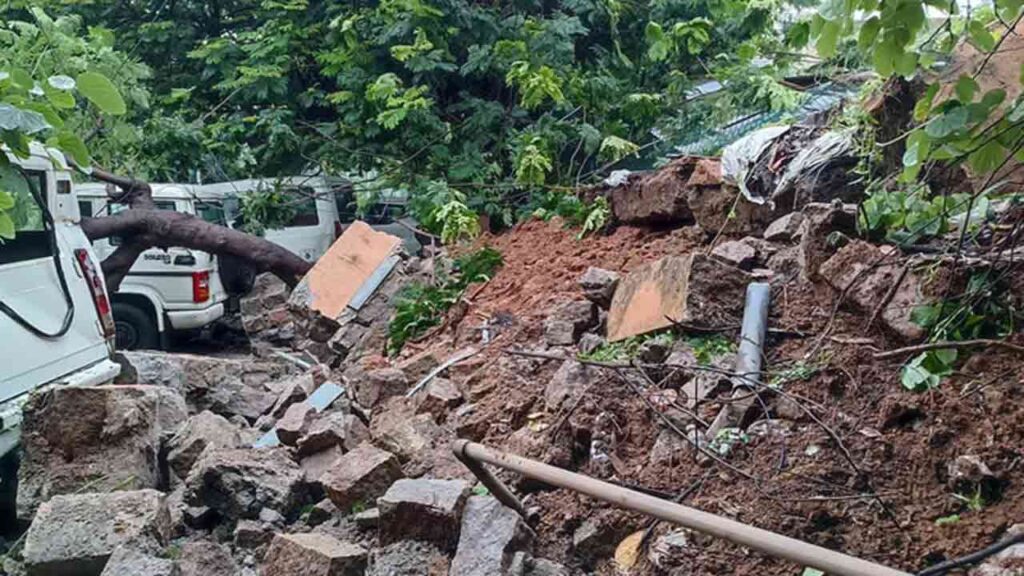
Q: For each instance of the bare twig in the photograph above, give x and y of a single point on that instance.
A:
(986, 342)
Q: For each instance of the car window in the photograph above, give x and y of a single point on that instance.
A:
(115, 207)
(304, 199)
(212, 213)
(31, 239)
(345, 199)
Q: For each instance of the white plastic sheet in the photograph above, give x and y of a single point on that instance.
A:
(740, 156)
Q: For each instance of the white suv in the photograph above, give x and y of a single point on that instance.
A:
(55, 319)
(166, 290)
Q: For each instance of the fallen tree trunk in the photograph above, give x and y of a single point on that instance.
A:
(142, 226)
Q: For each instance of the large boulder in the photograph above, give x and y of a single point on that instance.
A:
(423, 509)
(100, 438)
(313, 555)
(360, 476)
(490, 536)
(202, 431)
(75, 535)
(694, 289)
(239, 483)
(246, 387)
(658, 197)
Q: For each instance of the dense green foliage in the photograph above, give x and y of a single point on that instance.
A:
(473, 107)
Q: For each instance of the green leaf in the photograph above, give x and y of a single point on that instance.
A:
(70, 142)
(812, 572)
(948, 123)
(924, 105)
(966, 87)
(59, 98)
(906, 64)
(828, 39)
(6, 200)
(101, 92)
(15, 119)
(868, 33)
(993, 98)
(947, 356)
(980, 36)
(988, 157)
(22, 78)
(7, 229)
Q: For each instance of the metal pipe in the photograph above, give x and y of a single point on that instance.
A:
(831, 562)
(748, 358)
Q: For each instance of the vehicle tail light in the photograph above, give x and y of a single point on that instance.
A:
(338, 229)
(98, 291)
(200, 286)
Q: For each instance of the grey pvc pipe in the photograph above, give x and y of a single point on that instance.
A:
(831, 562)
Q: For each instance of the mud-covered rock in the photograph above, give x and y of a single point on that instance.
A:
(437, 398)
(313, 554)
(202, 431)
(490, 536)
(565, 325)
(360, 475)
(239, 483)
(784, 229)
(736, 253)
(820, 222)
(408, 558)
(660, 197)
(423, 509)
(103, 437)
(227, 386)
(567, 384)
(874, 273)
(76, 534)
(599, 285)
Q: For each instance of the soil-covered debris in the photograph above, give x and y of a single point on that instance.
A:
(609, 356)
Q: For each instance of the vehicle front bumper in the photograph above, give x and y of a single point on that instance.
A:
(187, 319)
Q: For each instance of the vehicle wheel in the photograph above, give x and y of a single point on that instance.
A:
(135, 329)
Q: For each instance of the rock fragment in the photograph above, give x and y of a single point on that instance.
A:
(333, 429)
(490, 536)
(103, 437)
(205, 558)
(202, 431)
(423, 509)
(360, 476)
(567, 384)
(784, 229)
(77, 534)
(437, 398)
(129, 560)
(239, 483)
(374, 386)
(408, 558)
(294, 423)
(736, 253)
(313, 554)
(599, 285)
(569, 321)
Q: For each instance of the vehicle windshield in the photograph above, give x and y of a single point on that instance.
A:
(27, 189)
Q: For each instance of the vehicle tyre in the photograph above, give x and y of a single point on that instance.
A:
(135, 329)
(236, 275)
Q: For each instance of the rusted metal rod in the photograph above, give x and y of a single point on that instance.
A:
(831, 562)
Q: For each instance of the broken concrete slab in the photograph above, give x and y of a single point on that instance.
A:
(226, 386)
(490, 536)
(568, 321)
(103, 437)
(200, 432)
(77, 534)
(876, 273)
(599, 285)
(423, 509)
(335, 280)
(736, 253)
(408, 558)
(360, 476)
(239, 483)
(313, 554)
(129, 560)
(695, 289)
(205, 558)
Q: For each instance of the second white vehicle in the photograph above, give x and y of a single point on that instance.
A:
(166, 290)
